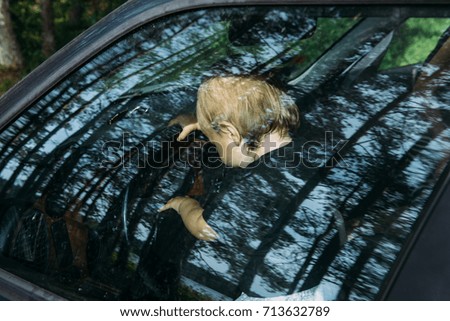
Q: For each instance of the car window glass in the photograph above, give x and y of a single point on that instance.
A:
(85, 169)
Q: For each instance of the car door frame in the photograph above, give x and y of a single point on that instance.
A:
(114, 26)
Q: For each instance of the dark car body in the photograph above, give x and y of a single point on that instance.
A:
(87, 158)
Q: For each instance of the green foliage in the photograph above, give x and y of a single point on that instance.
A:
(71, 17)
(8, 78)
(414, 40)
(27, 27)
(328, 31)
(68, 25)
(5, 84)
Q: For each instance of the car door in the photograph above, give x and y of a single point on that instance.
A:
(87, 158)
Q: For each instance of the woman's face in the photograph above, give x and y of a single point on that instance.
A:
(231, 152)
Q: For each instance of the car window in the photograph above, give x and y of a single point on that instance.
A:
(85, 169)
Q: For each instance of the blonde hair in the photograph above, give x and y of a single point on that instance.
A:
(253, 106)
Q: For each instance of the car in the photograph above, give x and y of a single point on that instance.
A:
(87, 157)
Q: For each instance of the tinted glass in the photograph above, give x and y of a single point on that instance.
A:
(84, 171)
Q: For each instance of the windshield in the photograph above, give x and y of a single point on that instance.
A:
(84, 171)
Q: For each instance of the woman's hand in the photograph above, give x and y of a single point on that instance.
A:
(175, 203)
(192, 215)
(187, 122)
